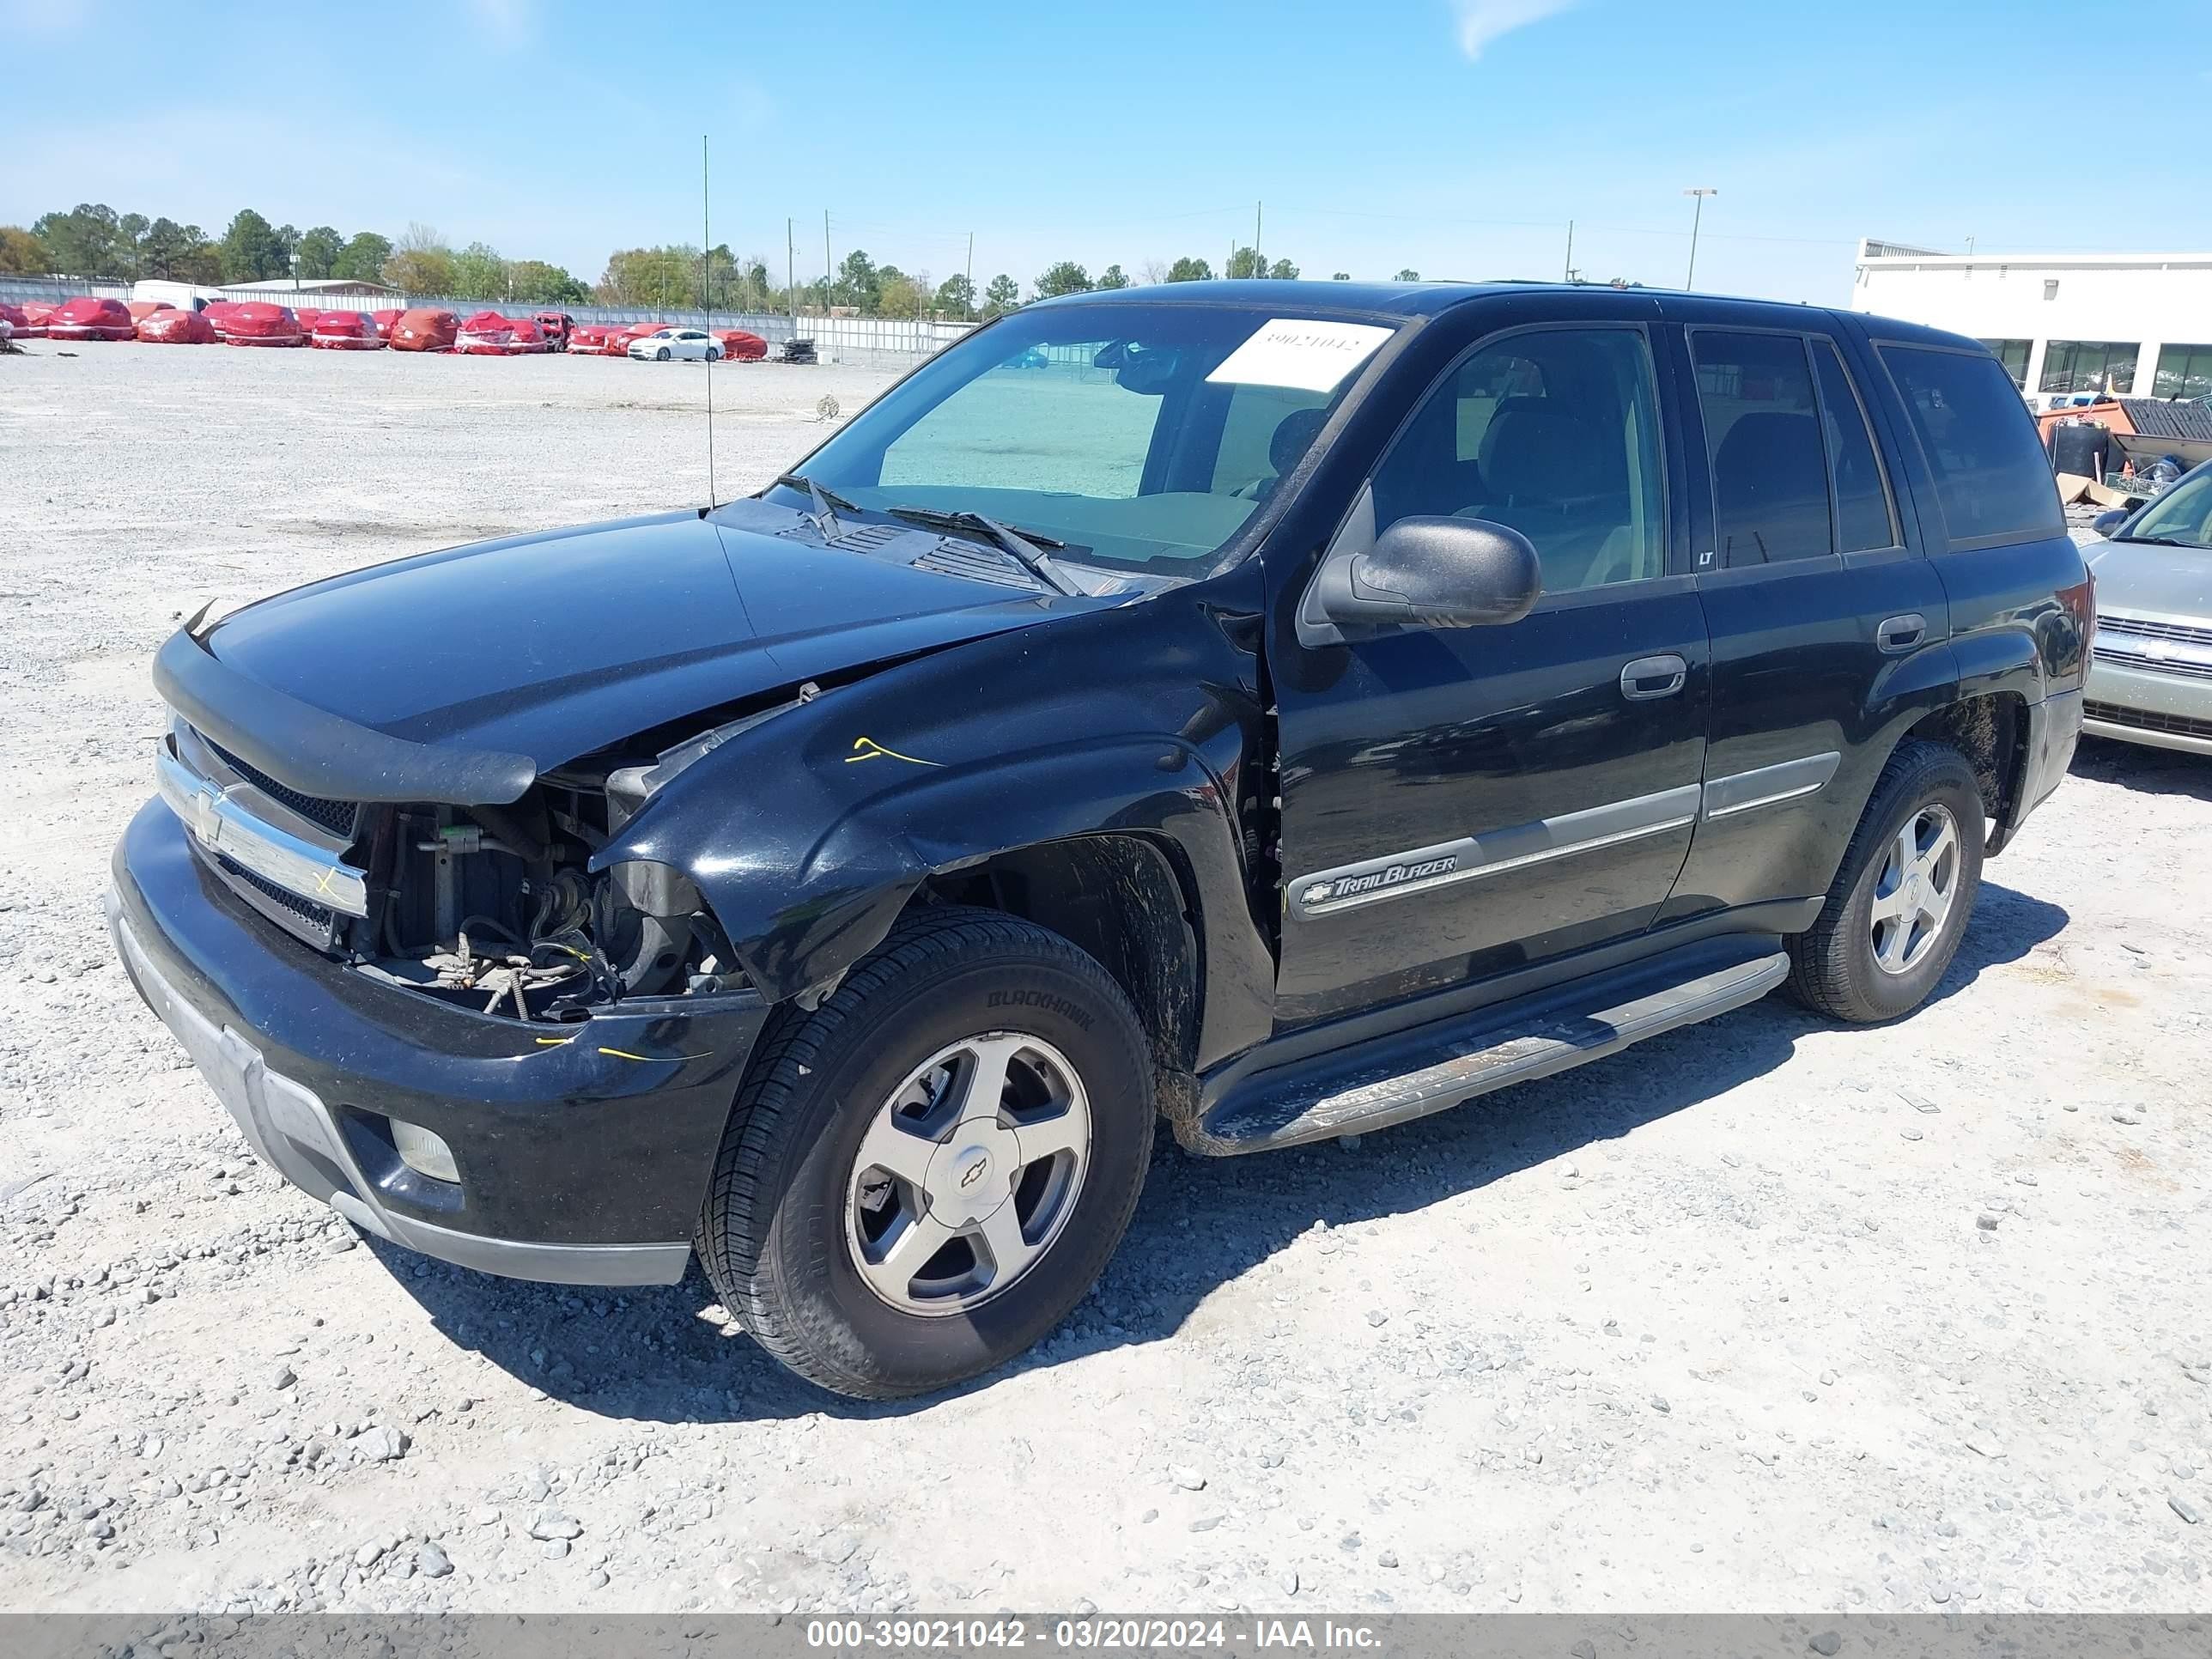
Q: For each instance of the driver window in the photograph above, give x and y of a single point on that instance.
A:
(1555, 434)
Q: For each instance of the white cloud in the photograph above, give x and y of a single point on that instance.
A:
(1482, 21)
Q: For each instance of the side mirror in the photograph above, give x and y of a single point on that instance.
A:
(1430, 572)
(2106, 522)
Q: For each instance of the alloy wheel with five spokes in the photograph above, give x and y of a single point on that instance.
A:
(1914, 893)
(967, 1173)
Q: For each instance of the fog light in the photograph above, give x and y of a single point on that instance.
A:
(424, 1153)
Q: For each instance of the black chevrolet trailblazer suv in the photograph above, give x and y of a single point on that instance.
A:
(1288, 708)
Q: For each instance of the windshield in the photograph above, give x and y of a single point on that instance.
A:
(1139, 436)
(2183, 514)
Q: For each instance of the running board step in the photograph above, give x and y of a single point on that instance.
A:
(1391, 1079)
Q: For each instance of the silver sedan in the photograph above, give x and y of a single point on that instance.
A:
(2150, 678)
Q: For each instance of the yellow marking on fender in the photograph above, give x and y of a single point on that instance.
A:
(867, 749)
(624, 1054)
(555, 1042)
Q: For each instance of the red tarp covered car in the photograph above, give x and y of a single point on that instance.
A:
(345, 331)
(142, 309)
(257, 323)
(308, 316)
(557, 326)
(36, 315)
(217, 311)
(592, 340)
(486, 334)
(739, 347)
(529, 338)
(169, 327)
(385, 320)
(426, 328)
(631, 334)
(87, 318)
(19, 324)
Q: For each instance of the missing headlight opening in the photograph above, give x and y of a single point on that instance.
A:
(497, 909)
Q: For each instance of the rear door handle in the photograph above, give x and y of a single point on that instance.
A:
(1901, 633)
(1649, 678)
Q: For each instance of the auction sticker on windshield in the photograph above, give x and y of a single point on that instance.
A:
(1307, 355)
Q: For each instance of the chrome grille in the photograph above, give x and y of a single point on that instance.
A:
(339, 816)
(304, 917)
(2145, 719)
(2181, 668)
(2143, 629)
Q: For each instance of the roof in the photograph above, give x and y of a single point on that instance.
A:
(1432, 298)
(1389, 299)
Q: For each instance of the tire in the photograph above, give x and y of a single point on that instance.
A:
(1836, 966)
(781, 1234)
(713, 354)
(661, 355)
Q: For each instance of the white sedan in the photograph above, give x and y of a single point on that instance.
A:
(664, 343)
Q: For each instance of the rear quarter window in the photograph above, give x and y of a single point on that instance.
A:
(1992, 478)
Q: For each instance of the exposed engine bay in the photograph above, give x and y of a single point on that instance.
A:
(493, 908)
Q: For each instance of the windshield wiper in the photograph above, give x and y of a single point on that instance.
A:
(1027, 548)
(825, 516)
(2158, 541)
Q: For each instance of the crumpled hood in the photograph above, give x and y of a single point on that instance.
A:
(2142, 579)
(556, 645)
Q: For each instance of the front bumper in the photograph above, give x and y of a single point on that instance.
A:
(583, 1149)
(2138, 705)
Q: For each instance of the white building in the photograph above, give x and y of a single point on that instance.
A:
(2132, 323)
(332, 293)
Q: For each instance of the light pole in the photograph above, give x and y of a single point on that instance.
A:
(1697, 218)
(295, 275)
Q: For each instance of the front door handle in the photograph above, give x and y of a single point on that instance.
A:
(1900, 634)
(1649, 678)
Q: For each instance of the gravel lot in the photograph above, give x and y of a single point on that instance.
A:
(1765, 1316)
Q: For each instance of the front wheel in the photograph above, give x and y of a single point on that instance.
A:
(661, 355)
(1899, 905)
(925, 1174)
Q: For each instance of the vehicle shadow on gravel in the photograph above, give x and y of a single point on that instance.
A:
(665, 1354)
(2152, 771)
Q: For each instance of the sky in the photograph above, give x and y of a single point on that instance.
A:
(1457, 137)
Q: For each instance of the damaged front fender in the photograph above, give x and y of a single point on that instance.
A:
(809, 833)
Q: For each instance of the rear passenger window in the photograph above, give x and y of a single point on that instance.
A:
(1991, 475)
(1863, 521)
(1763, 434)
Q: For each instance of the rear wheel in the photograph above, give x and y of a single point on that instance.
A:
(713, 353)
(923, 1176)
(1900, 903)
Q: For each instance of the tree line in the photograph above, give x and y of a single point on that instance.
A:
(93, 240)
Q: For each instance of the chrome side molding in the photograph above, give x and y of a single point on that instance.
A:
(1494, 853)
(1420, 870)
(1767, 786)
